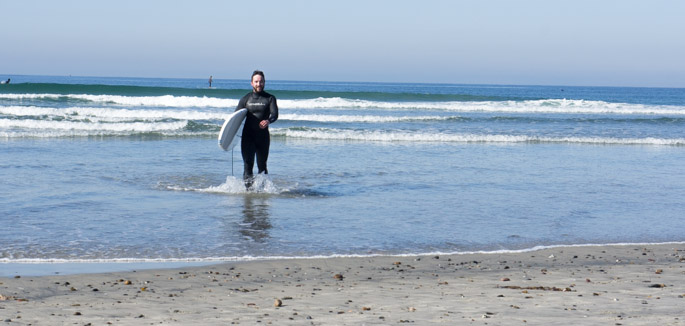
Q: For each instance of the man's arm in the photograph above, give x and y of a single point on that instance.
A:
(273, 109)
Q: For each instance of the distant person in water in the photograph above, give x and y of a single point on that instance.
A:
(5, 82)
(262, 111)
(210, 81)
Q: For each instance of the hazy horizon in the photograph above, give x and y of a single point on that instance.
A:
(579, 43)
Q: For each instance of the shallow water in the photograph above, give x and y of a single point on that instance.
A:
(348, 176)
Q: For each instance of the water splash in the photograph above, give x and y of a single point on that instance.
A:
(261, 184)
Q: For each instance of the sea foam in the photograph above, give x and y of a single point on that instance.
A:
(559, 106)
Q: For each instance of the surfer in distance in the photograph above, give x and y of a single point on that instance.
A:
(5, 81)
(210, 81)
(262, 111)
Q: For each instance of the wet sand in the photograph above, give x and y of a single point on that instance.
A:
(589, 285)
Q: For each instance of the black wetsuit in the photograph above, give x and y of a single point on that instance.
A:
(260, 106)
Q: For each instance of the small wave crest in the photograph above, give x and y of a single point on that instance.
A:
(154, 101)
(41, 122)
(559, 106)
(555, 106)
(361, 118)
(392, 136)
(110, 114)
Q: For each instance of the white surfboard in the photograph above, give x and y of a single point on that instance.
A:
(232, 130)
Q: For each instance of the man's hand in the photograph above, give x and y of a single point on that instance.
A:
(263, 124)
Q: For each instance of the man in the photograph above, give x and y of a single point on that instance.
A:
(262, 111)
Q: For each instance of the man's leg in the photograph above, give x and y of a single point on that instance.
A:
(263, 154)
(248, 149)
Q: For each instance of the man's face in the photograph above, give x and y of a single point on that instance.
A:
(258, 83)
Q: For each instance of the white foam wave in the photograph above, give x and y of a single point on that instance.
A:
(11, 129)
(112, 114)
(122, 114)
(391, 136)
(89, 126)
(560, 106)
(157, 101)
(358, 118)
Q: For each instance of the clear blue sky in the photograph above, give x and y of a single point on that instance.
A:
(546, 42)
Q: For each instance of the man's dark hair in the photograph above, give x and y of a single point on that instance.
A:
(257, 72)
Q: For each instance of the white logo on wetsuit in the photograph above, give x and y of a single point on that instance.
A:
(257, 103)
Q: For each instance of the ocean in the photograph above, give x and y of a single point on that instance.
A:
(127, 170)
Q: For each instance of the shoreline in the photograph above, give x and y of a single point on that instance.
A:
(47, 267)
(631, 284)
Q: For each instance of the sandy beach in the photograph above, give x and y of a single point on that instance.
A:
(588, 285)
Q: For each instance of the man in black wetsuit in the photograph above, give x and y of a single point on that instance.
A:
(262, 110)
